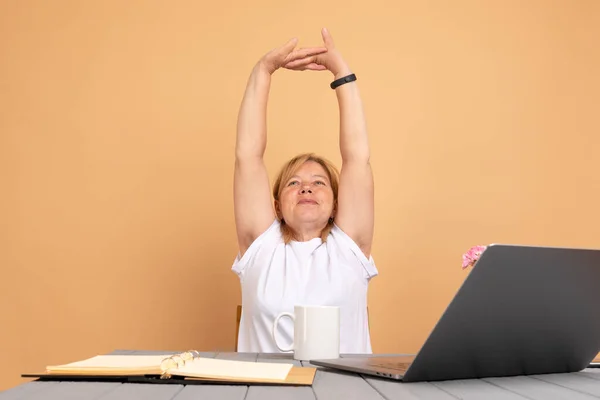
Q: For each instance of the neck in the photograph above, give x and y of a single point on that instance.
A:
(304, 233)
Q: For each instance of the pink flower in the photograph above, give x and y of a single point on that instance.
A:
(471, 256)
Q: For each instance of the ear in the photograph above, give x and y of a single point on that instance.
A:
(277, 209)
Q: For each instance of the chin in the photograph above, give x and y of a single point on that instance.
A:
(309, 219)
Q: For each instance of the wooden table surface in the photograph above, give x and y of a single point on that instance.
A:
(328, 384)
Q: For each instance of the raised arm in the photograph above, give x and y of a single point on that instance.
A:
(355, 209)
(253, 207)
(251, 196)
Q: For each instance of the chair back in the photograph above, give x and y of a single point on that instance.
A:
(237, 325)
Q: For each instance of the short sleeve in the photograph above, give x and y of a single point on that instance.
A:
(241, 263)
(368, 264)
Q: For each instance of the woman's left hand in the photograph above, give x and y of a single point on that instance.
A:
(331, 60)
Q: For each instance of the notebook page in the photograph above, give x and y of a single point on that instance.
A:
(116, 361)
(215, 368)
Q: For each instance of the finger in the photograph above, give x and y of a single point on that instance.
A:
(327, 39)
(306, 54)
(316, 67)
(291, 44)
(288, 47)
(308, 51)
(301, 62)
(311, 67)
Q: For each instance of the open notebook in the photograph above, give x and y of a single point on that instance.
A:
(187, 365)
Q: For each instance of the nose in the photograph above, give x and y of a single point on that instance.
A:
(306, 190)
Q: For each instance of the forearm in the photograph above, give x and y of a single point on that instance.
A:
(251, 140)
(354, 143)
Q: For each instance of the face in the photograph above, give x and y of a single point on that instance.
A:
(307, 197)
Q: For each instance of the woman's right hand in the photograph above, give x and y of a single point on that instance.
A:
(287, 56)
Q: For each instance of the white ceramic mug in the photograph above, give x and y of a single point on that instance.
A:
(316, 332)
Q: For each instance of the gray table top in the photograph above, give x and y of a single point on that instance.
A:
(327, 385)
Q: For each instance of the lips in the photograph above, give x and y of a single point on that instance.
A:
(307, 201)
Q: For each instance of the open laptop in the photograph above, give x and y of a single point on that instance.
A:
(522, 310)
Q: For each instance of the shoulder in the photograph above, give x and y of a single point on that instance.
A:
(349, 248)
(269, 239)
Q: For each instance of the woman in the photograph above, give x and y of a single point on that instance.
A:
(312, 244)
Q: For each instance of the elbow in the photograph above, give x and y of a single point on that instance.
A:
(245, 155)
(249, 151)
(356, 156)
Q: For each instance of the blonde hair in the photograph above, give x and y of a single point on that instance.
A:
(288, 170)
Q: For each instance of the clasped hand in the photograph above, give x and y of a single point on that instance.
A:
(322, 58)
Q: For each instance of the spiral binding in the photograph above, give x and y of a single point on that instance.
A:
(176, 361)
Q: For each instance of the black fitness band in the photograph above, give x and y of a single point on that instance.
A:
(342, 80)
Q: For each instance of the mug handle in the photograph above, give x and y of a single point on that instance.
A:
(275, 323)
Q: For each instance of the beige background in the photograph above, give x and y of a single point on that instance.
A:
(117, 124)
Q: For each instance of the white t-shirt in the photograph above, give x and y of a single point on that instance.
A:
(274, 277)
